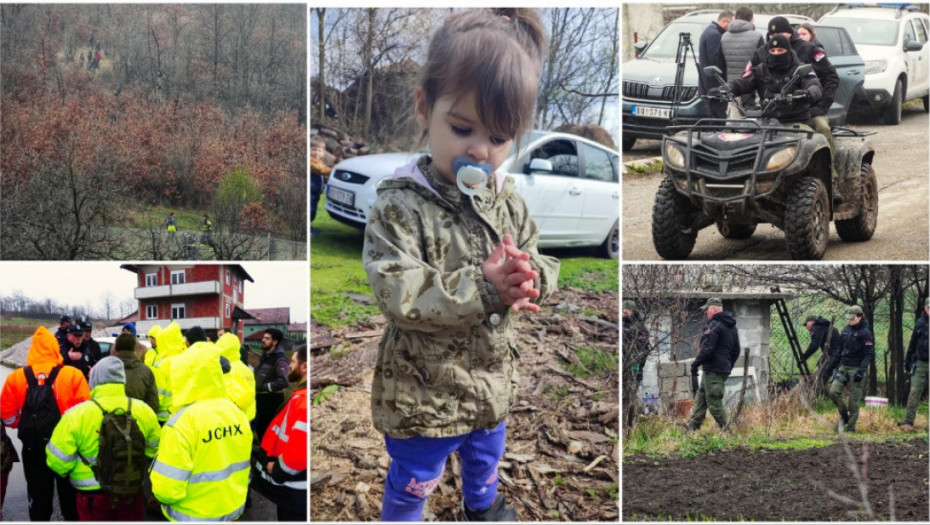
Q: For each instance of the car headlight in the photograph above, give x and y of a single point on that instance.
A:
(781, 158)
(873, 67)
(674, 155)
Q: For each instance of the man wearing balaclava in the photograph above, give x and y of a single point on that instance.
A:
(770, 76)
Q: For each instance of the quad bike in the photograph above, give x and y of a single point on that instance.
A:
(739, 173)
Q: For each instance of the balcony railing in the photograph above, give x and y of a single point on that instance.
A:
(177, 290)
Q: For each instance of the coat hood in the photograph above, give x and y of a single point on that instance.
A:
(153, 332)
(229, 345)
(196, 375)
(44, 349)
(726, 318)
(108, 370)
(170, 341)
(741, 26)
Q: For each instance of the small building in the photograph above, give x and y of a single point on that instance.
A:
(207, 295)
(676, 323)
(265, 318)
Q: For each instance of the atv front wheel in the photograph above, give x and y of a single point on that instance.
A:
(673, 235)
(861, 227)
(807, 219)
(735, 231)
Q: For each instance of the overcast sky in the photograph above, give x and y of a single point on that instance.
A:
(85, 283)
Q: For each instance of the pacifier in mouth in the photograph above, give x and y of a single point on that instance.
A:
(471, 177)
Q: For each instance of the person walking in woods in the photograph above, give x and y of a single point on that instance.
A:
(708, 48)
(280, 472)
(319, 173)
(270, 380)
(201, 472)
(849, 366)
(33, 399)
(171, 223)
(101, 445)
(718, 351)
(450, 300)
(915, 363)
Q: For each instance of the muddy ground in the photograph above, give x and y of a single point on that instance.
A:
(562, 449)
(779, 485)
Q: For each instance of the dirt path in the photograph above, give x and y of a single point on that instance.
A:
(781, 485)
(902, 233)
(562, 450)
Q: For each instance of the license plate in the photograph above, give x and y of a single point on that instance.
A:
(346, 198)
(645, 111)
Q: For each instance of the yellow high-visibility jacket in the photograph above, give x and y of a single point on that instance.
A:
(77, 433)
(170, 345)
(152, 355)
(202, 468)
(240, 381)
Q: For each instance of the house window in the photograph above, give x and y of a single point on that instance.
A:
(227, 309)
(151, 311)
(227, 275)
(236, 295)
(151, 279)
(240, 286)
(178, 311)
(177, 277)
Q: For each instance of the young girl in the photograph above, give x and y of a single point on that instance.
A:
(450, 252)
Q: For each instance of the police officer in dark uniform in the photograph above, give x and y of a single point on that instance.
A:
(771, 75)
(719, 350)
(915, 363)
(849, 366)
(78, 353)
(92, 347)
(809, 53)
(64, 322)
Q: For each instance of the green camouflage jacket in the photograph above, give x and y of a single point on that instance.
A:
(447, 360)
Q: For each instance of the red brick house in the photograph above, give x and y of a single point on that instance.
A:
(206, 295)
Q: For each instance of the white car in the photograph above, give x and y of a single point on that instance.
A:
(893, 43)
(570, 185)
(106, 344)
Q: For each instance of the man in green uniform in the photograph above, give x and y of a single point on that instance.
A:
(719, 349)
(849, 366)
(916, 363)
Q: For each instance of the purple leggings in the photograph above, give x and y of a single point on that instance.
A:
(417, 464)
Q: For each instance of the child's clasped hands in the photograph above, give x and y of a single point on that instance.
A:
(509, 270)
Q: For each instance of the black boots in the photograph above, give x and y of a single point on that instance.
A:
(499, 511)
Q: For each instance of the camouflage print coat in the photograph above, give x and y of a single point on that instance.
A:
(447, 360)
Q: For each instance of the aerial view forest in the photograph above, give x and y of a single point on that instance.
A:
(153, 131)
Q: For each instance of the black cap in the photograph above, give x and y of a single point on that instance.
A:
(195, 334)
(75, 329)
(87, 326)
(780, 24)
(779, 41)
(64, 319)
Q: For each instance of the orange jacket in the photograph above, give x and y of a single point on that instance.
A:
(70, 387)
(285, 443)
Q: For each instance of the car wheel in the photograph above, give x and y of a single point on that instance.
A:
(610, 249)
(735, 231)
(926, 101)
(628, 143)
(861, 227)
(673, 233)
(893, 111)
(807, 219)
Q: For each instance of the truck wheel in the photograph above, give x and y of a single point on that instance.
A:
(672, 233)
(893, 111)
(628, 143)
(736, 231)
(862, 226)
(610, 249)
(807, 219)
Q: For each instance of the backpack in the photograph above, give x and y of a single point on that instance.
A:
(121, 460)
(40, 410)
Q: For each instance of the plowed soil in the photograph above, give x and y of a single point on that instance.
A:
(562, 459)
(780, 485)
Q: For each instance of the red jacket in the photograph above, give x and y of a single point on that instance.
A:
(70, 387)
(285, 442)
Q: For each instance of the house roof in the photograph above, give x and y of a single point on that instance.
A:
(269, 316)
(239, 313)
(297, 327)
(240, 271)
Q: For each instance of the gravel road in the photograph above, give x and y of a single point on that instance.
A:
(901, 165)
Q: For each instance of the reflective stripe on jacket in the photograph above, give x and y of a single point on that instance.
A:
(286, 442)
(77, 434)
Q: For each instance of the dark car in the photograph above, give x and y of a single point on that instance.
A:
(648, 81)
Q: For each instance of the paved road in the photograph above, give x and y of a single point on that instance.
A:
(901, 154)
